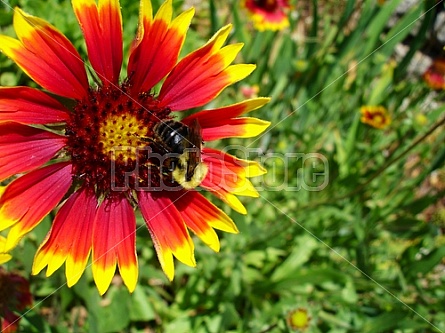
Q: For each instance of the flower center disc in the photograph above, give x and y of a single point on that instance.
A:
(268, 5)
(107, 139)
(118, 134)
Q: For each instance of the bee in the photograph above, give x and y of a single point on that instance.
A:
(182, 145)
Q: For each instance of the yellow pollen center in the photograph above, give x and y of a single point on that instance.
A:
(120, 137)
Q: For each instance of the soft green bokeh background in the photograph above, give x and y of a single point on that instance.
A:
(362, 254)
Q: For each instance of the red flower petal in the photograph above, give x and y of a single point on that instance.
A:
(246, 127)
(28, 199)
(201, 216)
(203, 74)
(157, 45)
(229, 198)
(70, 238)
(46, 55)
(210, 117)
(167, 229)
(102, 28)
(245, 168)
(23, 148)
(30, 106)
(226, 175)
(222, 122)
(114, 240)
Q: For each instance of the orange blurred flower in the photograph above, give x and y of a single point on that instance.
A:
(435, 75)
(267, 14)
(375, 116)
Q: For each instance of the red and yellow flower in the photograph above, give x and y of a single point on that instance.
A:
(267, 14)
(14, 296)
(435, 75)
(90, 160)
(375, 116)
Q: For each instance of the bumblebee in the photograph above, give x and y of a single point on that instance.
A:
(182, 145)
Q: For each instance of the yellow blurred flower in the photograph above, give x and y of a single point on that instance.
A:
(421, 119)
(298, 319)
(375, 116)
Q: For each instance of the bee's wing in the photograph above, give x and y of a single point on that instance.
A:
(195, 136)
(195, 142)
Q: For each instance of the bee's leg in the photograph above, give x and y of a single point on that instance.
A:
(167, 166)
(156, 144)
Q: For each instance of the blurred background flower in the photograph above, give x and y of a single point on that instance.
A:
(375, 116)
(250, 91)
(435, 74)
(267, 14)
(14, 296)
(298, 319)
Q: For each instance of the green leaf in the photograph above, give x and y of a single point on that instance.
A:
(377, 25)
(417, 42)
(140, 308)
(384, 323)
(301, 253)
(109, 313)
(214, 16)
(426, 263)
(380, 90)
(341, 156)
(401, 30)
